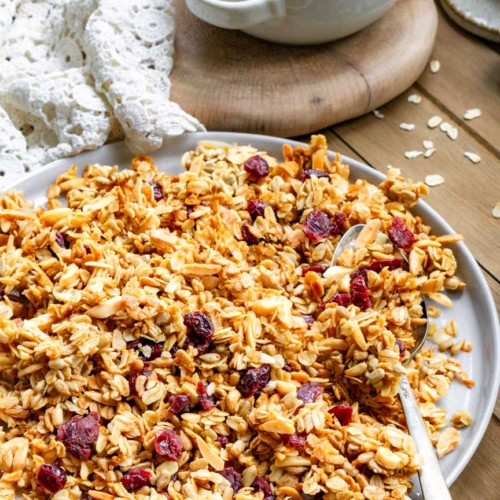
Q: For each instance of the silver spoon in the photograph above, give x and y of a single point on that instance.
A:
(431, 477)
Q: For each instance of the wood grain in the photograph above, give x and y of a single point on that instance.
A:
(469, 78)
(233, 82)
(469, 192)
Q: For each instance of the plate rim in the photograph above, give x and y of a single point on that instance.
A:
(233, 137)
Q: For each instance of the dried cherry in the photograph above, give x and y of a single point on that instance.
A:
(200, 330)
(309, 392)
(51, 477)
(179, 403)
(256, 166)
(317, 225)
(307, 174)
(254, 381)
(79, 434)
(233, 477)
(256, 208)
(294, 440)
(206, 402)
(168, 444)
(343, 412)
(135, 479)
(400, 234)
(359, 293)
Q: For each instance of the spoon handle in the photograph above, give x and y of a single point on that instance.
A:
(431, 478)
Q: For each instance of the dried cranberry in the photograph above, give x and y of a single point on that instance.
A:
(79, 434)
(223, 440)
(256, 208)
(338, 222)
(400, 234)
(61, 240)
(154, 353)
(133, 378)
(313, 269)
(254, 381)
(157, 190)
(256, 166)
(206, 402)
(260, 485)
(233, 477)
(307, 174)
(317, 225)
(51, 477)
(343, 412)
(309, 392)
(200, 330)
(295, 440)
(136, 478)
(401, 347)
(87, 249)
(359, 293)
(179, 403)
(248, 237)
(361, 272)
(342, 299)
(378, 265)
(168, 444)
(189, 210)
(288, 367)
(86, 497)
(308, 319)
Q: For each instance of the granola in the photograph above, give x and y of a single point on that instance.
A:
(163, 338)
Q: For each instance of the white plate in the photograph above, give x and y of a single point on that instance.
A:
(474, 309)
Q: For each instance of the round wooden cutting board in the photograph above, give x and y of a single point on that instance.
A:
(231, 81)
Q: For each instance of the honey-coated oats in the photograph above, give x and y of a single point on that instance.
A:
(163, 338)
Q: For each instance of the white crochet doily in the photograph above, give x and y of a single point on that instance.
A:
(77, 73)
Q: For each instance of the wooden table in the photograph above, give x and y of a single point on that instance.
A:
(469, 78)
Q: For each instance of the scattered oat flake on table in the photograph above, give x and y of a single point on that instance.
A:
(413, 154)
(434, 180)
(452, 133)
(435, 66)
(445, 126)
(434, 121)
(429, 152)
(428, 144)
(414, 99)
(407, 126)
(473, 157)
(496, 211)
(470, 114)
(378, 114)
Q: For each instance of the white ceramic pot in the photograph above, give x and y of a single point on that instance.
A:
(296, 22)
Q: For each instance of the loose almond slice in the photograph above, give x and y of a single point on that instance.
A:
(368, 234)
(447, 442)
(434, 122)
(471, 114)
(278, 425)
(209, 454)
(434, 180)
(473, 157)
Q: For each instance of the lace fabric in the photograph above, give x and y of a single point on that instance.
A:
(75, 74)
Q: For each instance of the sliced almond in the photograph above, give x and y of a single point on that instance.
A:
(414, 99)
(471, 114)
(51, 217)
(201, 269)
(278, 425)
(447, 442)
(209, 454)
(434, 180)
(473, 157)
(434, 122)
(368, 234)
(107, 308)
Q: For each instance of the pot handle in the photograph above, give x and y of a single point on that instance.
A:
(239, 14)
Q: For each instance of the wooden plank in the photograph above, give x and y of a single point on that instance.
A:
(480, 479)
(469, 78)
(470, 191)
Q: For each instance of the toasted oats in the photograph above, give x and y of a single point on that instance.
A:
(452, 133)
(429, 152)
(435, 66)
(434, 180)
(414, 99)
(448, 441)
(378, 114)
(496, 211)
(471, 114)
(407, 126)
(434, 122)
(461, 418)
(428, 144)
(445, 127)
(105, 330)
(413, 154)
(473, 157)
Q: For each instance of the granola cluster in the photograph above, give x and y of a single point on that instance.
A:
(186, 336)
